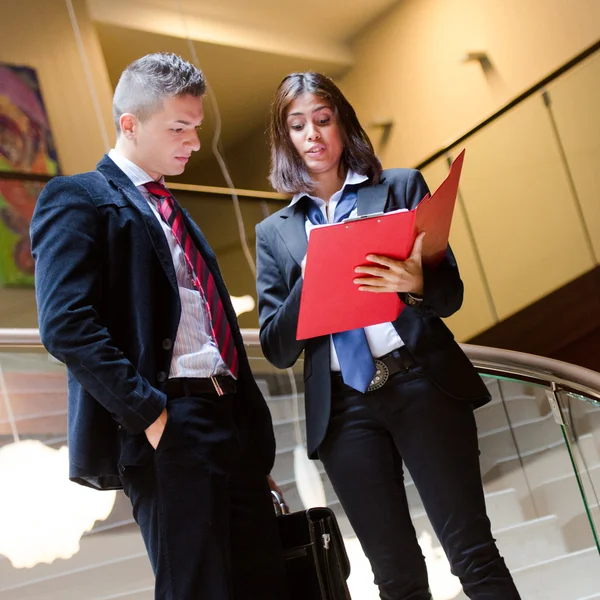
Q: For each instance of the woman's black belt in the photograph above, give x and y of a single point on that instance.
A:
(397, 361)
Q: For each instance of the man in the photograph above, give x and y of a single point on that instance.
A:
(161, 398)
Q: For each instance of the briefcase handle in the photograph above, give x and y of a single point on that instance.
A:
(281, 508)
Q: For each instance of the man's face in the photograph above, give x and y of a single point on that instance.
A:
(164, 142)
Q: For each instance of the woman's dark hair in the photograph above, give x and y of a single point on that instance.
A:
(289, 174)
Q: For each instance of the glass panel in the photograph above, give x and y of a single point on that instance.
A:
(38, 499)
(33, 390)
(524, 217)
(582, 434)
(554, 529)
(575, 99)
(532, 495)
(533, 492)
(477, 313)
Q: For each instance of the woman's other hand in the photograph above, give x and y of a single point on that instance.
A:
(393, 275)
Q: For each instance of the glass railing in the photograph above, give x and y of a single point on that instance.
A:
(540, 462)
(527, 220)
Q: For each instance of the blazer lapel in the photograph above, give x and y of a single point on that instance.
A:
(123, 184)
(292, 230)
(372, 199)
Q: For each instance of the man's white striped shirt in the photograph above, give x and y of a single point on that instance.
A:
(195, 353)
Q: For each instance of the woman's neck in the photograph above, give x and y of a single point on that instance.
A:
(327, 184)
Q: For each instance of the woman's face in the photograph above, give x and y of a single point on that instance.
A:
(315, 133)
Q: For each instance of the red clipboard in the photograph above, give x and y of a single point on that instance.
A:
(330, 299)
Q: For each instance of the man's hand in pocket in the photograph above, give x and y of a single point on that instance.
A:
(155, 431)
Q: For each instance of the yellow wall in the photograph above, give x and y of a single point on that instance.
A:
(518, 232)
(38, 34)
(478, 312)
(527, 220)
(248, 163)
(408, 65)
(575, 101)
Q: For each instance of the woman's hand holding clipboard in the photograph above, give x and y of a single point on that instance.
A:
(331, 300)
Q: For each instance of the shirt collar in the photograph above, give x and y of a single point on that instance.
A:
(137, 175)
(352, 178)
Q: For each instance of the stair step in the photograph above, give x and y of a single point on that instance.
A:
(530, 542)
(107, 561)
(528, 435)
(541, 465)
(574, 575)
(503, 509)
(522, 408)
(146, 593)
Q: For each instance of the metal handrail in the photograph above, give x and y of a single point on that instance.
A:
(20, 337)
(536, 369)
(492, 361)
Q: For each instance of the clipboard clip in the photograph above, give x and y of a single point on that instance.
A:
(349, 220)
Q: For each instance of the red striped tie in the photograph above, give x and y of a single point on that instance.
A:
(203, 280)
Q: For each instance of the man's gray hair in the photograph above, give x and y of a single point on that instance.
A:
(145, 83)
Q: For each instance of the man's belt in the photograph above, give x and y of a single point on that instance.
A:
(180, 387)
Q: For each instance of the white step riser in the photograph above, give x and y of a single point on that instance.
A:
(547, 464)
(571, 577)
(521, 545)
(503, 508)
(103, 581)
(493, 415)
(104, 578)
(529, 437)
(97, 547)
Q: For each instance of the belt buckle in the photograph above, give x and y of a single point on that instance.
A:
(382, 374)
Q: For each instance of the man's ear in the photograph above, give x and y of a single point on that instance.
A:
(129, 125)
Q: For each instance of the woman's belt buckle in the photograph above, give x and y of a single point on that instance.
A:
(382, 374)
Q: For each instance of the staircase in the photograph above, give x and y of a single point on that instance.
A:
(532, 494)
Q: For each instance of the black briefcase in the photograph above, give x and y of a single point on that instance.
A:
(316, 562)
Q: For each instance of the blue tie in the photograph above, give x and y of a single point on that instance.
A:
(352, 348)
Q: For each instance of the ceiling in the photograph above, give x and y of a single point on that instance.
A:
(243, 80)
(244, 48)
(309, 19)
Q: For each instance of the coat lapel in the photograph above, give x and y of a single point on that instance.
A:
(372, 199)
(124, 185)
(292, 230)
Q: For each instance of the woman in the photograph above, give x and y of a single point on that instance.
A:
(421, 415)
